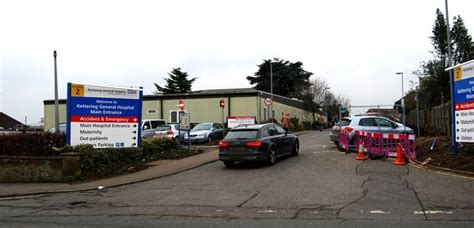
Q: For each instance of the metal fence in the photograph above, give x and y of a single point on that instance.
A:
(434, 119)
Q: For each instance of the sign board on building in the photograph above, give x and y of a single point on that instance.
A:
(464, 102)
(234, 121)
(104, 116)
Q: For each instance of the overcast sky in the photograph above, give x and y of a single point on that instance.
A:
(357, 46)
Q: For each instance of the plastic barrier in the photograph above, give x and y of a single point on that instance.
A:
(378, 144)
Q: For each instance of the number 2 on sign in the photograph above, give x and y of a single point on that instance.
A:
(77, 90)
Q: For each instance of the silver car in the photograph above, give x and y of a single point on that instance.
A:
(170, 131)
(368, 124)
(205, 132)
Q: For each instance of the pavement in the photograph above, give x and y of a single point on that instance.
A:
(160, 168)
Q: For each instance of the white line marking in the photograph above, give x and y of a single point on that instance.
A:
(433, 212)
(218, 210)
(379, 212)
(267, 211)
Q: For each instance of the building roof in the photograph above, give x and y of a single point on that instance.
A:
(8, 122)
(219, 92)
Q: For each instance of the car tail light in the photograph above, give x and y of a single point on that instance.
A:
(223, 144)
(349, 129)
(169, 132)
(256, 143)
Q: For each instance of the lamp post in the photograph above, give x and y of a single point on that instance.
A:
(270, 112)
(403, 103)
(418, 107)
(56, 103)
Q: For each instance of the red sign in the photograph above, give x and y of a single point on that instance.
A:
(181, 105)
(222, 103)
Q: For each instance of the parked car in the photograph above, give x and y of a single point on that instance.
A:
(260, 142)
(169, 130)
(149, 127)
(334, 133)
(205, 132)
(369, 124)
(62, 129)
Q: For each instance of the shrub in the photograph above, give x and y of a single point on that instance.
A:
(31, 144)
(107, 161)
(306, 125)
(294, 124)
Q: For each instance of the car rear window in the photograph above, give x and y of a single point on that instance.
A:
(163, 128)
(344, 122)
(156, 123)
(242, 134)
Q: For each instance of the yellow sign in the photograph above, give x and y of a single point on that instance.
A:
(77, 90)
(457, 73)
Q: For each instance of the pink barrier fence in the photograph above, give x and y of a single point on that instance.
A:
(378, 144)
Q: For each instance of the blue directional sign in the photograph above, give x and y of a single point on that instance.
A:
(463, 93)
(104, 116)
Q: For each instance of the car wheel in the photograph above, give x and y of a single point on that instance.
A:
(336, 143)
(296, 149)
(271, 157)
(209, 139)
(229, 164)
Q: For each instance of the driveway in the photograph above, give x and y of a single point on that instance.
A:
(320, 186)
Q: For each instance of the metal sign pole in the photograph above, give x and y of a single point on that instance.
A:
(454, 147)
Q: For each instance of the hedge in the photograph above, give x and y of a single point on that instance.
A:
(31, 144)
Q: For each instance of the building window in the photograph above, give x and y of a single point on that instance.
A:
(151, 111)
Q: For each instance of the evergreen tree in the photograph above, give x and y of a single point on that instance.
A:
(461, 41)
(439, 38)
(287, 77)
(177, 82)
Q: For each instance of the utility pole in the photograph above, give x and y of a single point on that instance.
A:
(454, 147)
(270, 112)
(56, 102)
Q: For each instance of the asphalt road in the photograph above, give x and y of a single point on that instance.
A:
(319, 187)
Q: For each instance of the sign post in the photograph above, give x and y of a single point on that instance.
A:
(268, 101)
(222, 105)
(463, 105)
(104, 116)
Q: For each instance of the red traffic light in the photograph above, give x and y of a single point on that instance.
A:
(222, 103)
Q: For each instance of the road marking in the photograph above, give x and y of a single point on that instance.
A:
(320, 152)
(379, 212)
(218, 210)
(314, 212)
(432, 212)
(267, 211)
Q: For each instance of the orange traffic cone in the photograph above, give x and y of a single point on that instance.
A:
(361, 154)
(399, 160)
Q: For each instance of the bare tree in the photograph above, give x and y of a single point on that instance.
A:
(343, 100)
(320, 90)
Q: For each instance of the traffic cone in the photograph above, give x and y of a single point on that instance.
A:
(361, 154)
(399, 160)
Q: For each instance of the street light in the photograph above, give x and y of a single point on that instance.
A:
(270, 112)
(56, 102)
(403, 103)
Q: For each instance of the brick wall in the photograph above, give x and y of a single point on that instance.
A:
(40, 169)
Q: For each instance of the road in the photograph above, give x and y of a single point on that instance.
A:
(319, 187)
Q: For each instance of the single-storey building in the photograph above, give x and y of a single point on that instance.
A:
(204, 106)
